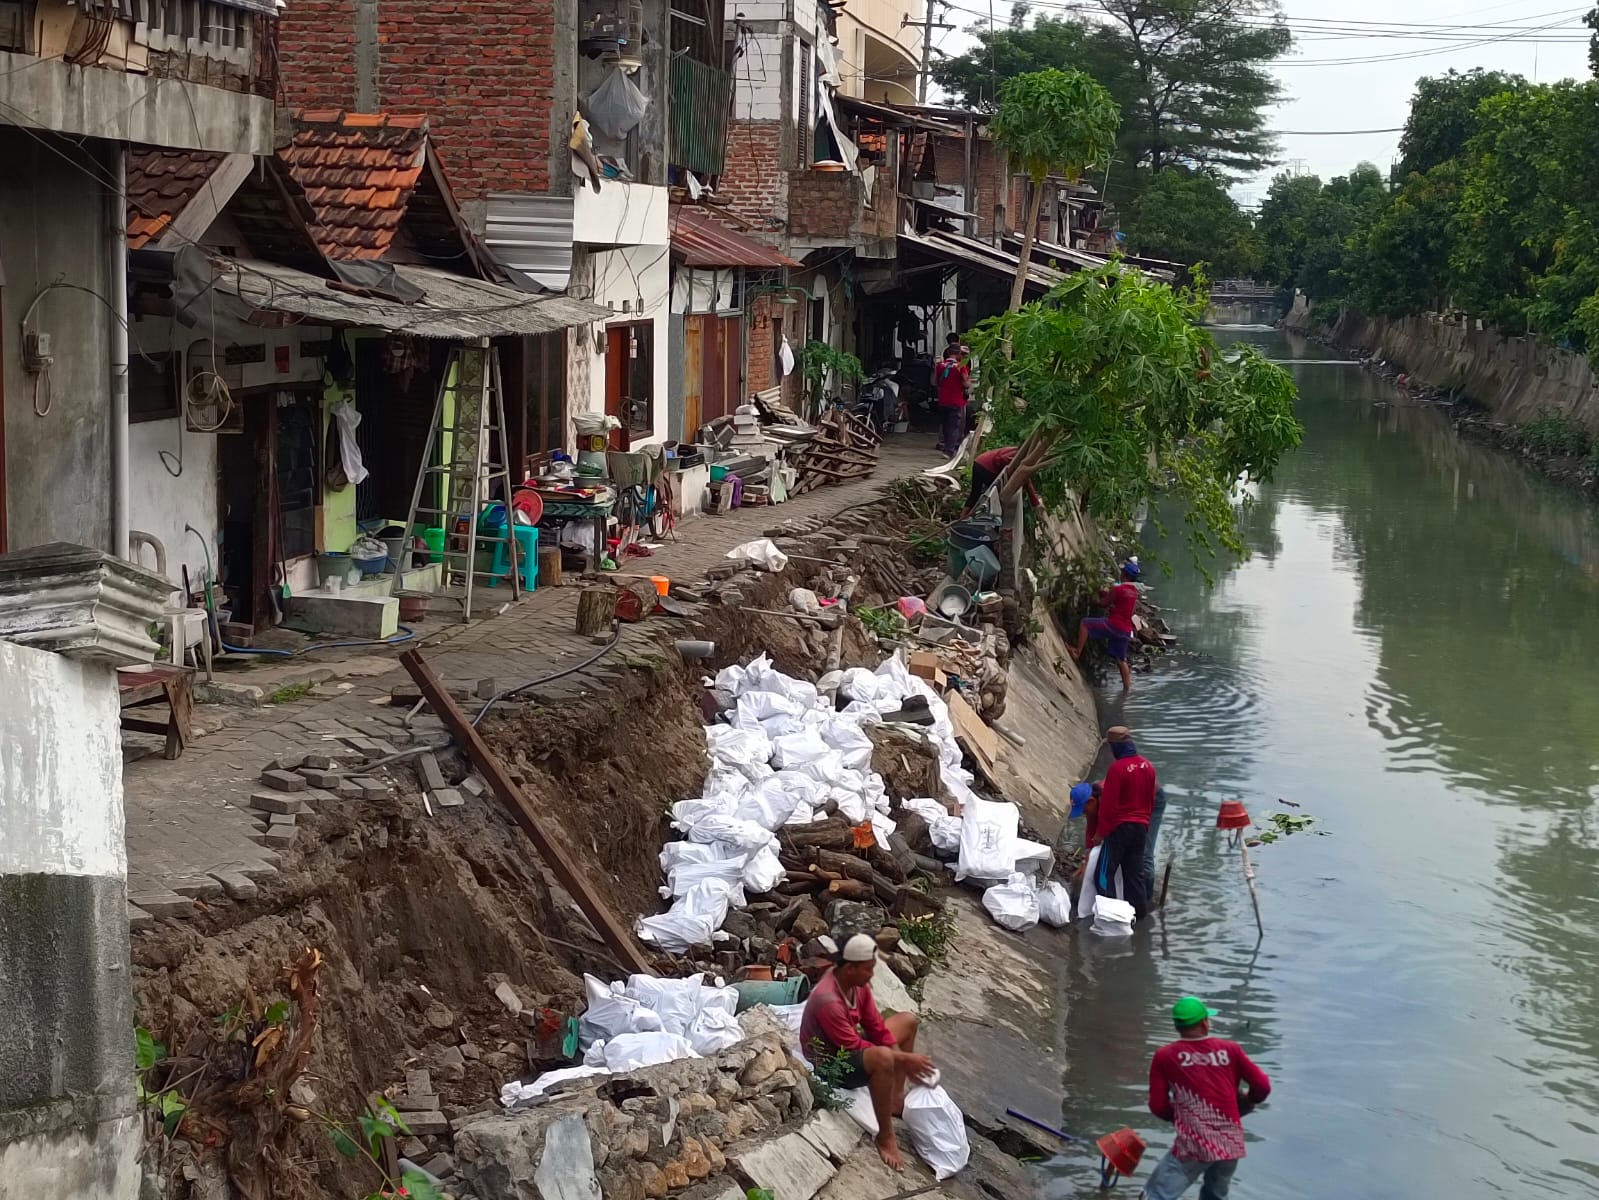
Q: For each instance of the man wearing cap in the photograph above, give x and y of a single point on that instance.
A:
(1126, 805)
(841, 1021)
(1194, 1083)
(1115, 628)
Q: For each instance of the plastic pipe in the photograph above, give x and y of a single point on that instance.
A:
(117, 264)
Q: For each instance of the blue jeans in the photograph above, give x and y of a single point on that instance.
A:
(1174, 1176)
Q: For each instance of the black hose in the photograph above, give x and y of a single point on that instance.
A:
(533, 683)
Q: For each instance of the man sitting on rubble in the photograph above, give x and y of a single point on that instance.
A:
(841, 1025)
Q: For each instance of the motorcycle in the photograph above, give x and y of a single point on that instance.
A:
(878, 403)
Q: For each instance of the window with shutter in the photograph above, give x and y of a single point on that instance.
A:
(807, 87)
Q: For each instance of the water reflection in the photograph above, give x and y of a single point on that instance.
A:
(1408, 656)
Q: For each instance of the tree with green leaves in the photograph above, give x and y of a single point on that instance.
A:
(1189, 218)
(1051, 123)
(1443, 115)
(1306, 226)
(1192, 77)
(1114, 395)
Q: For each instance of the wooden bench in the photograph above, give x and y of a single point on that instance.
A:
(171, 686)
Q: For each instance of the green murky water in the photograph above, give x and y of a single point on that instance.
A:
(1412, 655)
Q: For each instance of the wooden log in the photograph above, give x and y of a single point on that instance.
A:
(842, 864)
(596, 610)
(612, 931)
(851, 889)
(549, 559)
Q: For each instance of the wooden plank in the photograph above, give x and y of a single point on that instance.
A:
(616, 936)
(981, 742)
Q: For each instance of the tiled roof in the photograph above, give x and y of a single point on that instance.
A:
(358, 171)
(160, 185)
(699, 240)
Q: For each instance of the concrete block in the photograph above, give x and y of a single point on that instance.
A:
(789, 1167)
(425, 1124)
(276, 802)
(319, 762)
(418, 1081)
(236, 885)
(474, 786)
(345, 616)
(350, 789)
(283, 781)
(320, 779)
(430, 773)
(196, 887)
(420, 1102)
(163, 904)
(234, 695)
(286, 762)
(139, 919)
(372, 788)
(278, 836)
(447, 798)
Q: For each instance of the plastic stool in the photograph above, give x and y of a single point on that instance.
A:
(527, 553)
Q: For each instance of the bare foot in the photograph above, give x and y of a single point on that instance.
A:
(888, 1150)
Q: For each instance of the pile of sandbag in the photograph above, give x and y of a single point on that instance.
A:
(645, 1021)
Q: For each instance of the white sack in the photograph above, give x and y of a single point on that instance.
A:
(1112, 917)
(1013, 904)
(764, 870)
(675, 1001)
(630, 1051)
(1089, 893)
(760, 553)
(1033, 858)
(610, 1012)
(860, 684)
(937, 1128)
(738, 748)
(686, 876)
(944, 829)
(515, 1093)
(771, 802)
(844, 734)
(746, 835)
(1054, 904)
(794, 750)
(988, 839)
(714, 1031)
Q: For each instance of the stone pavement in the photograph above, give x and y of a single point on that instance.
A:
(192, 834)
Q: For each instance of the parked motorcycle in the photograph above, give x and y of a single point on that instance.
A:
(878, 403)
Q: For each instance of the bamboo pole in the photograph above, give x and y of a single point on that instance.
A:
(1249, 878)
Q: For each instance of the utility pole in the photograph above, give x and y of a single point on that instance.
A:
(926, 26)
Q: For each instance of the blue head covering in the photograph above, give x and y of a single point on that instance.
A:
(1130, 569)
(1123, 749)
(1082, 793)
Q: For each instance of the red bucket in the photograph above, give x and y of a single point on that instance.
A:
(1233, 815)
(1122, 1150)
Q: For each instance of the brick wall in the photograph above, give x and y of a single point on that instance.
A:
(486, 86)
(822, 203)
(754, 178)
(988, 186)
(758, 373)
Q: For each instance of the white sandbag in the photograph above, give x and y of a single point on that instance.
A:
(761, 552)
(714, 1031)
(851, 804)
(754, 707)
(1033, 858)
(752, 676)
(1054, 904)
(611, 1012)
(882, 828)
(685, 851)
(516, 1093)
(728, 783)
(764, 871)
(861, 685)
(1013, 904)
(692, 919)
(744, 750)
(722, 828)
(988, 839)
(790, 1015)
(1112, 917)
(685, 876)
(688, 813)
(630, 1051)
(861, 1110)
(944, 829)
(937, 1128)
(721, 999)
(771, 802)
(797, 749)
(844, 734)
(675, 1001)
(1089, 892)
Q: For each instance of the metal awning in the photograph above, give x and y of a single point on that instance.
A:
(452, 306)
(969, 252)
(699, 240)
(885, 115)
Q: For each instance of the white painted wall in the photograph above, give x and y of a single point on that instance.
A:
(621, 214)
(60, 766)
(758, 80)
(161, 504)
(635, 282)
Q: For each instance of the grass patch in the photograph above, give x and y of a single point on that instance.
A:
(1553, 433)
(291, 693)
(932, 935)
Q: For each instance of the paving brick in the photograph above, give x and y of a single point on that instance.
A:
(161, 904)
(447, 798)
(278, 836)
(236, 885)
(284, 781)
(276, 802)
(139, 919)
(320, 779)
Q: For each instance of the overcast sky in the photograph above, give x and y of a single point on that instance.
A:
(1341, 95)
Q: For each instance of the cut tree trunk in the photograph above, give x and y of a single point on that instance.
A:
(596, 610)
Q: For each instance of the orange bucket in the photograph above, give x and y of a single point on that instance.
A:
(662, 584)
(1233, 815)
(1122, 1150)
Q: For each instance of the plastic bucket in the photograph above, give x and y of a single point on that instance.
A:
(334, 564)
(433, 538)
(662, 583)
(719, 473)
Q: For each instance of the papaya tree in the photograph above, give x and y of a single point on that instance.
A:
(1114, 396)
(1051, 123)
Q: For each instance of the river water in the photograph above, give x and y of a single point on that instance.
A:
(1412, 656)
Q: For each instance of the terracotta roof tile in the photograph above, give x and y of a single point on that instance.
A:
(160, 185)
(358, 171)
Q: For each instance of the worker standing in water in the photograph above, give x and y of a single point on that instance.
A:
(1115, 628)
(1194, 1083)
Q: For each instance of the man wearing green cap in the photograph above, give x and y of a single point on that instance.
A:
(1194, 1083)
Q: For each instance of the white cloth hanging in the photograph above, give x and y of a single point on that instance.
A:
(349, 420)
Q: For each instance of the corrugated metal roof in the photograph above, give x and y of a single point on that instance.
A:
(532, 234)
(452, 307)
(699, 240)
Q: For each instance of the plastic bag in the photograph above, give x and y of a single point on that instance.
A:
(630, 1051)
(937, 1128)
(714, 1031)
(1113, 917)
(348, 419)
(516, 1093)
(988, 839)
(844, 734)
(617, 105)
(1013, 904)
(1054, 904)
(761, 552)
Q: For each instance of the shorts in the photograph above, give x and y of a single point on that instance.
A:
(854, 1075)
(1116, 640)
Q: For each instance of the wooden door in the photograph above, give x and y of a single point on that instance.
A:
(616, 363)
(733, 360)
(693, 375)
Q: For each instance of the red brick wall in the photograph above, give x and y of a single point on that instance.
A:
(758, 355)
(822, 203)
(477, 69)
(754, 178)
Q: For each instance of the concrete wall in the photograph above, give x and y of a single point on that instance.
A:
(1514, 379)
(67, 1120)
(640, 278)
(52, 227)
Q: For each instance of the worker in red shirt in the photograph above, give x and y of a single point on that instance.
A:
(1115, 628)
(841, 1024)
(1194, 1083)
(1126, 804)
(952, 377)
(986, 470)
